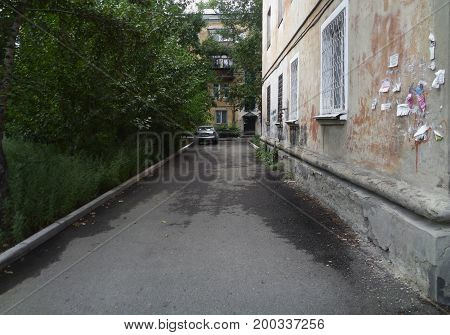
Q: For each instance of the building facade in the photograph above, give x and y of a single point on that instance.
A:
(356, 101)
(225, 112)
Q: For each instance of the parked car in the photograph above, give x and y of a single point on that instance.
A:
(207, 134)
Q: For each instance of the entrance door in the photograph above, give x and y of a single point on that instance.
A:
(249, 124)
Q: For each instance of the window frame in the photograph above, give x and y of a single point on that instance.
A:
(280, 12)
(294, 58)
(280, 97)
(222, 112)
(269, 28)
(342, 6)
(216, 91)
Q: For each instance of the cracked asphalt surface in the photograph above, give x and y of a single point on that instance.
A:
(213, 232)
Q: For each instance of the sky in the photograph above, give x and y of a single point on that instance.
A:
(193, 7)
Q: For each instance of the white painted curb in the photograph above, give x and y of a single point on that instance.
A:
(24, 247)
(253, 145)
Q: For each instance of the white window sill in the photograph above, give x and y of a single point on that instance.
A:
(333, 119)
(292, 122)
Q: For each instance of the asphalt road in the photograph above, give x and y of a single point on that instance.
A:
(212, 233)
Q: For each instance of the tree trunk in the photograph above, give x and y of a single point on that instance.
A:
(4, 92)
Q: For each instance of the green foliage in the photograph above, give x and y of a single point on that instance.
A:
(257, 140)
(88, 73)
(243, 20)
(225, 131)
(87, 76)
(268, 157)
(46, 184)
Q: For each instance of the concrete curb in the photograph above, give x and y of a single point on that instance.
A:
(253, 145)
(435, 207)
(24, 247)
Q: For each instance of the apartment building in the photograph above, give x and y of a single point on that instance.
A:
(356, 101)
(225, 111)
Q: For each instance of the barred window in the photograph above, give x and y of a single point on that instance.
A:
(280, 97)
(268, 104)
(333, 60)
(293, 114)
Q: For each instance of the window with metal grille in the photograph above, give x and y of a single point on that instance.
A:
(293, 113)
(268, 105)
(268, 26)
(280, 98)
(221, 116)
(333, 62)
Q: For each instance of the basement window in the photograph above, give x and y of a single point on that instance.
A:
(334, 65)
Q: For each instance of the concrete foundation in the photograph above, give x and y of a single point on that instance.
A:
(418, 247)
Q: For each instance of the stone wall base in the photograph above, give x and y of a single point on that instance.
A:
(418, 248)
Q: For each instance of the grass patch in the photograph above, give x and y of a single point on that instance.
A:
(46, 184)
(266, 156)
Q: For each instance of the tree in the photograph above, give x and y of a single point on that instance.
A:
(14, 22)
(243, 22)
(86, 75)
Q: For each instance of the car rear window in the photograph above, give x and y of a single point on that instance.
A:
(205, 128)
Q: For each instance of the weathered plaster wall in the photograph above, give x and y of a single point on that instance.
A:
(370, 139)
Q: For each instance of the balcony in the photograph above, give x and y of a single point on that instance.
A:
(224, 64)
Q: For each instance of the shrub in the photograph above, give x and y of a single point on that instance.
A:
(224, 131)
(46, 184)
(256, 140)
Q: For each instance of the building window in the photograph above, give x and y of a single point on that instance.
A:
(220, 35)
(334, 62)
(293, 113)
(268, 25)
(216, 91)
(225, 91)
(221, 117)
(221, 91)
(280, 98)
(268, 105)
(280, 11)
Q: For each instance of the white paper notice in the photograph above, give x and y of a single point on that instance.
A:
(397, 87)
(393, 60)
(420, 133)
(386, 106)
(432, 46)
(441, 77)
(374, 103)
(402, 110)
(385, 86)
(439, 80)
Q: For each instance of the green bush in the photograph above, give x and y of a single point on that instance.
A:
(46, 184)
(265, 156)
(256, 140)
(224, 131)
